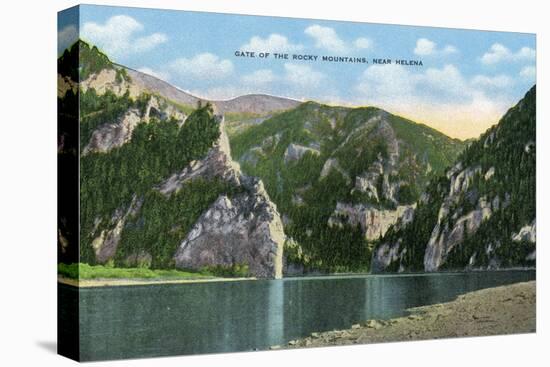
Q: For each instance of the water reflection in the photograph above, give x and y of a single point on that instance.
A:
(147, 321)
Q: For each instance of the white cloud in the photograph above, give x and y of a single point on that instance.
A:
(362, 43)
(499, 53)
(117, 36)
(487, 82)
(149, 42)
(157, 74)
(259, 77)
(66, 37)
(273, 43)
(440, 97)
(326, 38)
(450, 49)
(302, 76)
(296, 81)
(425, 47)
(205, 66)
(528, 72)
(386, 82)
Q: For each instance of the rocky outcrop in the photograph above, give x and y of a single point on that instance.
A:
(526, 233)
(112, 135)
(162, 110)
(115, 134)
(373, 221)
(254, 154)
(245, 229)
(216, 165)
(295, 152)
(106, 80)
(452, 225)
(387, 254)
(446, 236)
(105, 244)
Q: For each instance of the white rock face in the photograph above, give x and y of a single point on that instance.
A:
(490, 173)
(461, 182)
(387, 254)
(112, 135)
(106, 243)
(295, 151)
(374, 222)
(526, 233)
(245, 229)
(216, 164)
(366, 183)
(445, 237)
(105, 81)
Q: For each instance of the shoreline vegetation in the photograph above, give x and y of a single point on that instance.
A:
(85, 275)
(509, 309)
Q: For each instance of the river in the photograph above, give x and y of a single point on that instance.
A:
(163, 320)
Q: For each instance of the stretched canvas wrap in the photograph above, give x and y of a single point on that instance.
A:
(238, 183)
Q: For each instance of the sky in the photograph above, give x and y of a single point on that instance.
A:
(467, 81)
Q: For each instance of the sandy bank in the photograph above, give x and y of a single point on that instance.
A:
(502, 310)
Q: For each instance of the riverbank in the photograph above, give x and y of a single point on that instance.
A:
(93, 283)
(84, 275)
(509, 309)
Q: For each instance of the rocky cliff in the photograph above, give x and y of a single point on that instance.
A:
(241, 227)
(244, 229)
(159, 187)
(481, 213)
(341, 177)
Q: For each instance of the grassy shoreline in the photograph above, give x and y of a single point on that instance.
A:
(84, 275)
(103, 282)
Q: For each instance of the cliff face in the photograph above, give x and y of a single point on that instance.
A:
(341, 177)
(373, 221)
(245, 229)
(159, 186)
(242, 229)
(481, 213)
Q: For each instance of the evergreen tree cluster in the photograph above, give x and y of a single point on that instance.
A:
(348, 136)
(508, 148)
(110, 181)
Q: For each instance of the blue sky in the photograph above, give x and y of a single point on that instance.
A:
(467, 81)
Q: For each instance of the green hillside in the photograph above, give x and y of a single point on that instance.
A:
(500, 171)
(358, 140)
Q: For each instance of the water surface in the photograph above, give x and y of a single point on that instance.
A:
(161, 320)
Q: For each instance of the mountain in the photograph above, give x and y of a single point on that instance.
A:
(262, 185)
(158, 186)
(479, 214)
(99, 73)
(340, 177)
